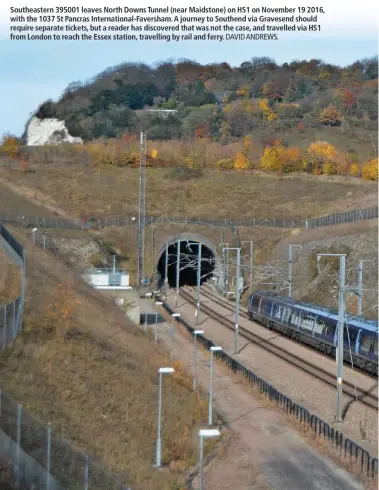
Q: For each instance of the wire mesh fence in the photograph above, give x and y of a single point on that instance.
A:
(41, 458)
(10, 322)
(11, 313)
(119, 221)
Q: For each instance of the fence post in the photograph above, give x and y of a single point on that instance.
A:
(48, 452)
(14, 320)
(5, 326)
(19, 412)
(86, 471)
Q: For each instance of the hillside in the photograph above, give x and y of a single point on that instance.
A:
(295, 103)
(96, 192)
(81, 366)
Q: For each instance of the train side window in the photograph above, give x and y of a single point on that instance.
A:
(320, 324)
(330, 328)
(350, 333)
(286, 314)
(376, 346)
(265, 306)
(255, 303)
(366, 342)
(294, 318)
(277, 313)
(307, 322)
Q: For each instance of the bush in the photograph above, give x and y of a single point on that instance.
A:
(354, 170)
(225, 164)
(280, 159)
(10, 146)
(370, 170)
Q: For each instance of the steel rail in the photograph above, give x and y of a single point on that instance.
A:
(364, 396)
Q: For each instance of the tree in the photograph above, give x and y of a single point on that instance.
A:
(241, 161)
(330, 116)
(10, 145)
(370, 170)
(280, 159)
(321, 157)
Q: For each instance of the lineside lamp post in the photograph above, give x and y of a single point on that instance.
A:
(34, 235)
(210, 407)
(290, 247)
(341, 322)
(161, 371)
(204, 434)
(147, 295)
(157, 303)
(196, 333)
(174, 315)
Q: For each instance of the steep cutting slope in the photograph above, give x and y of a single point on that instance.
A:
(80, 365)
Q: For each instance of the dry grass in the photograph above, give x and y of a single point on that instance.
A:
(10, 279)
(80, 366)
(103, 192)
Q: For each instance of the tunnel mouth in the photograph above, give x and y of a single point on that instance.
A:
(188, 263)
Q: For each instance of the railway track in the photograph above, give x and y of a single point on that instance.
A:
(364, 396)
(225, 304)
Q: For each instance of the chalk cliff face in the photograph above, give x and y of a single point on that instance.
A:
(49, 132)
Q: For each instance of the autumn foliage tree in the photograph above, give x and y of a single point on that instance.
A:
(61, 310)
(370, 170)
(241, 161)
(330, 116)
(10, 146)
(280, 159)
(321, 157)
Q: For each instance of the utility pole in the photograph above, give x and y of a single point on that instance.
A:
(141, 211)
(251, 263)
(166, 265)
(238, 260)
(114, 264)
(341, 322)
(360, 285)
(198, 284)
(290, 268)
(152, 250)
(177, 272)
(225, 261)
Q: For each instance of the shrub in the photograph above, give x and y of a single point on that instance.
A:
(280, 159)
(330, 116)
(354, 170)
(318, 154)
(225, 164)
(370, 170)
(241, 161)
(11, 146)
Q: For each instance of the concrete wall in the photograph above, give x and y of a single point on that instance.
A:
(128, 298)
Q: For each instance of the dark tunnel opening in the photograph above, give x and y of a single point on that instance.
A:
(188, 264)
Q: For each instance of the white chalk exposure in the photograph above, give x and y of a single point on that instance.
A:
(49, 132)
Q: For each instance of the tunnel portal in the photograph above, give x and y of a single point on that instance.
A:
(188, 262)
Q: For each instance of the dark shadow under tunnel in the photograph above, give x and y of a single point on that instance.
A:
(188, 264)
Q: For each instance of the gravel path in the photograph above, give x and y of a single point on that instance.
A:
(360, 423)
(265, 452)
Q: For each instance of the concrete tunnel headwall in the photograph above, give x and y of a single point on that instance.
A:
(210, 263)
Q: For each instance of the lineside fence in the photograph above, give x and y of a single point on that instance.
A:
(42, 460)
(99, 223)
(36, 457)
(349, 449)
(11, 313)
